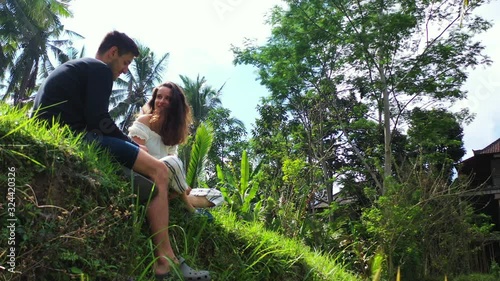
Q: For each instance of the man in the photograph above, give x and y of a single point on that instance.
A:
(77, 94)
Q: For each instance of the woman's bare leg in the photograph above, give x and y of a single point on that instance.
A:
(158, 212)
(200, 201)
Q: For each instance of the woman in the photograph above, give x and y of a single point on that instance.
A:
(162, 127)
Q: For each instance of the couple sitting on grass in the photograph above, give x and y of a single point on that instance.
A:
(77, 94)
(164, 125)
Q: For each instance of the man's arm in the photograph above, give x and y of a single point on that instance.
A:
(99, 87)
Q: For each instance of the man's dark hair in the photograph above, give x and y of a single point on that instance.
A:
(124, 44)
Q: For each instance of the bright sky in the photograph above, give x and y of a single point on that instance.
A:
(198, 35)
(483, 86)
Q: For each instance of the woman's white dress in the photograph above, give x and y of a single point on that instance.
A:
(168, 154)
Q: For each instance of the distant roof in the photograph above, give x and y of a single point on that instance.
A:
(494, 147)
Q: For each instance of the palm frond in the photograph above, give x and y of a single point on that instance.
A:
(120, 110)
(122, 83)
(117, 96)
(72, 34)
(46, 69)
(60, 8)
(158, 68)
(199, 152)
(236, 122)
(201, 97)
(82, 52)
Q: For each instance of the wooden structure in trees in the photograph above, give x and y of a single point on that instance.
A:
(483, 169)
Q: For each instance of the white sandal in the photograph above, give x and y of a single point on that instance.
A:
(191, 274)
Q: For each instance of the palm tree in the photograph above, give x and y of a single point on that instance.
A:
(8, 38)
(62, 56)
(145, 73)
(201, 97)
(32, 31)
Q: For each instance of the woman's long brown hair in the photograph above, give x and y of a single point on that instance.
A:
(175, 126)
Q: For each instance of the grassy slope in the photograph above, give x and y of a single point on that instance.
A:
(76, 214)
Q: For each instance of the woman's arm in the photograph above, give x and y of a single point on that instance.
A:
(144, 119)
(187, 203)
(141, 143)
(138, 140)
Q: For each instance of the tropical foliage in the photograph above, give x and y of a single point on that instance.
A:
(229, 132)
(199, 151)
(359, 98)
(201, 97)
(241, 195)
(229, 138)
(31, 32)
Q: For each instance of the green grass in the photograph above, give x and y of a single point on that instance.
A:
(269, 255)
(72, 207)
(77, 220)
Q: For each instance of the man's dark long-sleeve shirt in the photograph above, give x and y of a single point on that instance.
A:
(78, 93)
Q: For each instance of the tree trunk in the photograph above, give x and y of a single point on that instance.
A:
(387, 133)
(386, 110)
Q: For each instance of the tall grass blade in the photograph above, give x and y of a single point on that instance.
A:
(376, 267)
(244, 172)
(25, 156)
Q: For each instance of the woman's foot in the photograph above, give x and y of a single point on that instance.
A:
(164, 265)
